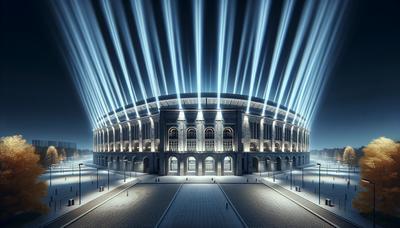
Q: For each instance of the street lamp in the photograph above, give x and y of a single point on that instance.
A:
(319, 183)
(108, 175)
(80, 192)
(373, 184)
(97, 177)
(291, 163)
(125, 170)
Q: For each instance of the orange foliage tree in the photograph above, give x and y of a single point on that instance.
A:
(20, 189)
(52, 156)
(380, 165)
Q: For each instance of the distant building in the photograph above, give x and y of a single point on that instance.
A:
(41, 147)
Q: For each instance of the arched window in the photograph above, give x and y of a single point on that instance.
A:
(209, 139)
(228, 139)
(173, 139)
(173, 164)
(228, 164)
(209, 164)
(191, 139)
(191, 166)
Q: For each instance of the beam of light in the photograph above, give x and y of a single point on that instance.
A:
(300, 34)
(324, 68)
(105, 54)
(228, 49)
(137, 8)
(283, 26)
(118, 48)
(83, 53)
(223, 11)
(261, 29)
(315, 55)
(86, 18)
(198, 19)
(157, 49)
(302, 79)
(126, 35)
(167, 12)
(243, 43)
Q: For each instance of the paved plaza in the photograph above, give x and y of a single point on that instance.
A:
(140, 206)
(260, 206)
(200, 205)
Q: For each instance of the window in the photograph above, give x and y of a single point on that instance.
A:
(209, 164)
(191, 164)
(173, 164)
(173, 139)
(227, 164)
(191, 139)
(228, 139)
(209, 139)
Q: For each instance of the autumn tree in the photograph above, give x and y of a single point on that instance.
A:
(20, 189)
(349, 155)
(380, 165)
(52, 156)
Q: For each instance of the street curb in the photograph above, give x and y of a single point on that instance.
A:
(169, 205)
(91, 209)
(308, 209)
(233, 207)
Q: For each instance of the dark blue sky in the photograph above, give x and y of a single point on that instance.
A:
(361, 100)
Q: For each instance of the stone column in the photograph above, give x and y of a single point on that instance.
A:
(200, 131)
(219, 166)
(108, 140)
(297, 139)
(219, 132)
(273, 136)
(114, 147)
(152, 135)
(199, 166)
(261, 146)
(130, 136)
(181, 132)
(140, 136)
(246, 133)
(121, 138)
(291, 139)
(283, 138)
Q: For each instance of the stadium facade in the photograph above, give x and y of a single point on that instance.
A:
(168, 140)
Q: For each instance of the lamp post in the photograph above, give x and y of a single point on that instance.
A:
(319, 183)
(80, 192)
(373, 184)
(125, 170)
(97, 177)
(108, 175)
(51, 166)
(291, 163)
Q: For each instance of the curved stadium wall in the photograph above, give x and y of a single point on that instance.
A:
(158, 137)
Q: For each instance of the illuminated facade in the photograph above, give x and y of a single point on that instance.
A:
(209, 141)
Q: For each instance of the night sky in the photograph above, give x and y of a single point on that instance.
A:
(361, 100)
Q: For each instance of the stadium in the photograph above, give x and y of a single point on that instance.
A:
(208, 141)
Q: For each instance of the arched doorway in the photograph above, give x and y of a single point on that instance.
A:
(256, 167)
(191, 165)
(294, 162)
(278, 165)
(228, 165)
(287, 165)
(173, 165)
(146, 165)
(268, 164)
(209, 165)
